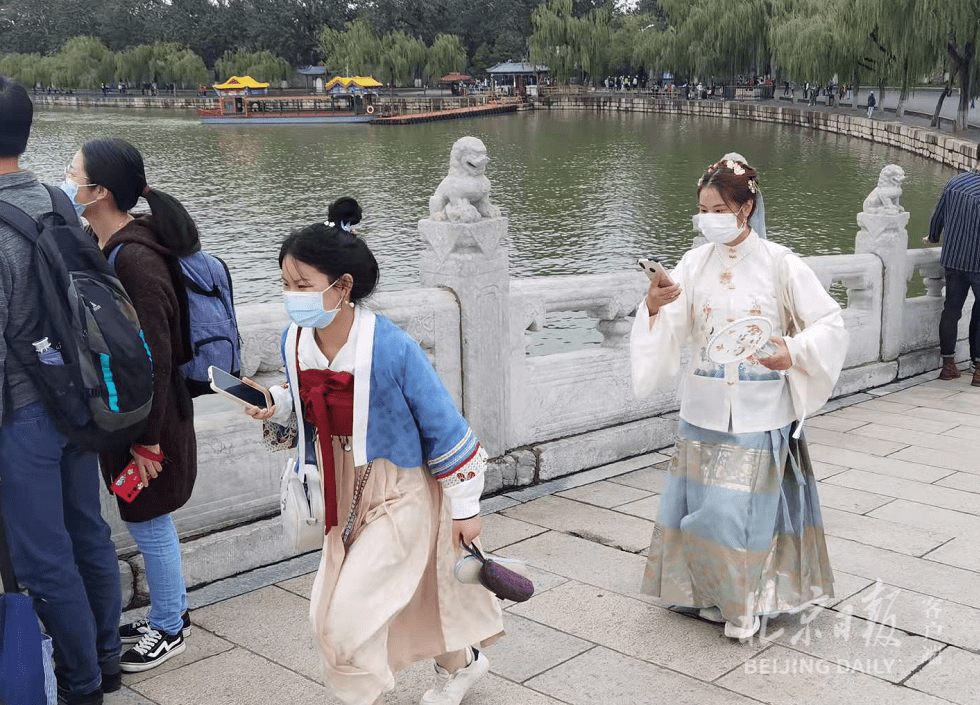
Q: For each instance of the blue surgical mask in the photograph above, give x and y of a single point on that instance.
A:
(71, 188)
(305, 308)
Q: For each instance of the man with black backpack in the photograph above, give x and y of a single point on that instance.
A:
(49, 488)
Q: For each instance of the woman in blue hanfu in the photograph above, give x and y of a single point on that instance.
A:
(739, 534)
(402, 475)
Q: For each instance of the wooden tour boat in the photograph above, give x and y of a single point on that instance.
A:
(243, 100)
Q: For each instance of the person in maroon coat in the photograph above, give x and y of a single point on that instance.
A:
(105, 180)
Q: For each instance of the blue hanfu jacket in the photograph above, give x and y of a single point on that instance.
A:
(402, 410)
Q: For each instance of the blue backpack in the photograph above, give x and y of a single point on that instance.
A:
(210, 325)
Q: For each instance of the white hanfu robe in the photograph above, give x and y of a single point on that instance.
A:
(739, 525)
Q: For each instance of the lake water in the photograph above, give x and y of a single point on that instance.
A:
(585, 193)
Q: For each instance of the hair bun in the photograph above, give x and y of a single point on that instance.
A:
(344, 211)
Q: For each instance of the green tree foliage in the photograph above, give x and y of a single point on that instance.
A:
(401, 58)
(260, 65)
(446, 55)
(955, 28)
(352, 52)
(555, 42)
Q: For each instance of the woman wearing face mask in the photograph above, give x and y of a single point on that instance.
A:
(739, 534)
(402, 475)
(105, 180)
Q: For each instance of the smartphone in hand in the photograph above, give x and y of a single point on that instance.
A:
(652, 267)
(233, 388)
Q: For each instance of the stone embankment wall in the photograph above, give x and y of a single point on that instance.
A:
(948, 149)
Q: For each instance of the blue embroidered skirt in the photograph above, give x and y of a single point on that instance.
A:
(739, 526)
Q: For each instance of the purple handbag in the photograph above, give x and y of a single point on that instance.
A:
(501, 581)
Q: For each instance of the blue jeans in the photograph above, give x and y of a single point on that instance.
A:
(157, 541)
(61, 546)
(958, 285)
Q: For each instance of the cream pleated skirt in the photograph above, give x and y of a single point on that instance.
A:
(389, 597)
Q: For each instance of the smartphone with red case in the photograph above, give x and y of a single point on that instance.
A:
(128, 484)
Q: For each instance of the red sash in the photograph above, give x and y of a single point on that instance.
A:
(328, 404)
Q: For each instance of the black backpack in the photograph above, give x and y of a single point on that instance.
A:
(87, 357)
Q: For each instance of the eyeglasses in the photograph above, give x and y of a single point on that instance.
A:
(69, 176)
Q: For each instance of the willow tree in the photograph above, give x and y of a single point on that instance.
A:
(400, 57)
(84, 62)
(720, 36)
(260, 65)
(353, 51)
(899, 40)
(555, 41)
(27, 69)
(594, 34)
(954, 28)
(446, 55)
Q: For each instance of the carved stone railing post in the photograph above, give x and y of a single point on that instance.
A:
(464, 252)
(883, 233)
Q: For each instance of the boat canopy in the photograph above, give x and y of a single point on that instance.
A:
(352, 84)
(241, 85)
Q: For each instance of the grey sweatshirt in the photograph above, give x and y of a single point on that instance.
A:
(18, 290)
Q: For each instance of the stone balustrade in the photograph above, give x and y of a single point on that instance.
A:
(543, 416)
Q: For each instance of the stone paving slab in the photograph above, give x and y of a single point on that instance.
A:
(883, 534)
(599, 525)
(605, 677)
(629, 626)
(531, 648)
(964, 481)
(785, 677)
(605, 494)
(934, 495)
(643, 508)
(589, 562)
(902, 526)
(951, 675)
(842, 638)
(917, 613)
(947, 582)
(271, 622)
(856, 413)
(850, 500)
(236, 677)
(929, 517)
(903, 469)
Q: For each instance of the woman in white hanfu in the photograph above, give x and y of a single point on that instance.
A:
(402, 474)
(739, 534)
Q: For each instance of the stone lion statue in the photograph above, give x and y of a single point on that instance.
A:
(464, 195)
(884, 200)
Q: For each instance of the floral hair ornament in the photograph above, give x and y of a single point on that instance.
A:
(736, 168)
(753, 186)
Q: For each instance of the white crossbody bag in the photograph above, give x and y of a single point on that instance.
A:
(300, 487)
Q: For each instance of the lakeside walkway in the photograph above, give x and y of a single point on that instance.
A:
(899, 473)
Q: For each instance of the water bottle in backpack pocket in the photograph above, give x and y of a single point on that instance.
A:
(100, 392)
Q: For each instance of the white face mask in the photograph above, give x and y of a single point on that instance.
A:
(721, 228)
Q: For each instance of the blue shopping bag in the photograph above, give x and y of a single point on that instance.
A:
(22, 673)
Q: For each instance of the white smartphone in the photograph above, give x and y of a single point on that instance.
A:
(229, 386)
(652, 267)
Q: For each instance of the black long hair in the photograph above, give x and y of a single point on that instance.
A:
(117, 166)
(334, 251)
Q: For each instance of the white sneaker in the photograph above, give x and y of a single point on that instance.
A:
(451, 688)
(712, 614)
(737, 631)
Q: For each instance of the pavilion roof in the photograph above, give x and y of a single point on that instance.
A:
(352, 81)
(239, 82)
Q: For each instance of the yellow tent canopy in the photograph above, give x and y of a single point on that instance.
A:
(356, 81)
(239, 83)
